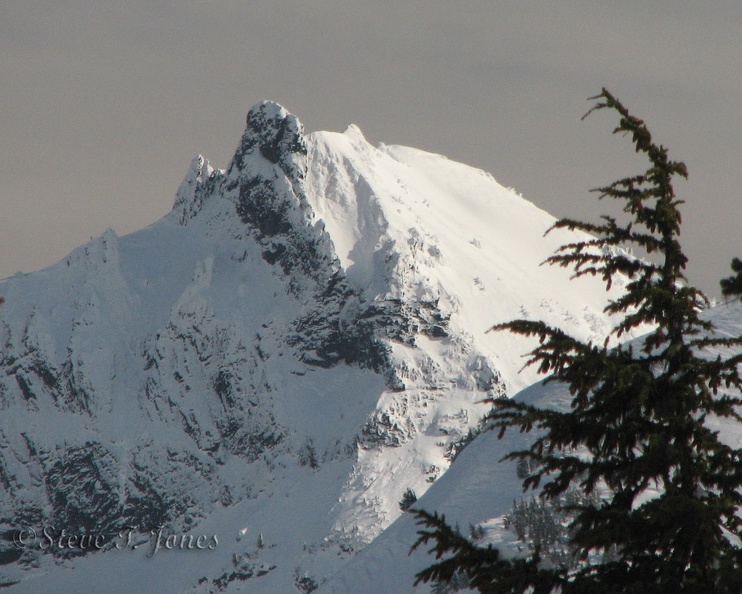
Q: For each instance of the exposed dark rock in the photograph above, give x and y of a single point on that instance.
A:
(82, 487)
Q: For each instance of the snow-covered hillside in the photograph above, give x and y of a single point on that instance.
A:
(479, 490)
(270, 366)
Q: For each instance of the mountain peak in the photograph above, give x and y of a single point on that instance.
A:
(298, 343)
(275, 132)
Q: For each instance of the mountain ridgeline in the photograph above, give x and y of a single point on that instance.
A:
(297, 343)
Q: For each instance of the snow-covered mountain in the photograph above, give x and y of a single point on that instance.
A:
(269, 367)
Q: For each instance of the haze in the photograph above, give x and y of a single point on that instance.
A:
(104, 105)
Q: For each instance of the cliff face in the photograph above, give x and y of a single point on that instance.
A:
(298, 342)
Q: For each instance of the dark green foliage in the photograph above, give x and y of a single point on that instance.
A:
(455, 448)
(482, 566)
(637, 420)
(732, 286)
(544, 524)
(408, 499)
(476, 532)
(538, 521)
(459, 582)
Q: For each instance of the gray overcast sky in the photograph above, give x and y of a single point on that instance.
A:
(103, 104)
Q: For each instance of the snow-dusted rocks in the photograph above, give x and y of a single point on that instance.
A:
(301, 340)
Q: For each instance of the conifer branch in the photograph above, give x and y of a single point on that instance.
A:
(637, 430)
(484, 567)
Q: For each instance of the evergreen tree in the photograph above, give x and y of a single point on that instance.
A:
(732, 286)
(408, 499)
(665, 519)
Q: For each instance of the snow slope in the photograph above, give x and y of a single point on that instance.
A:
(479, 489)
(279, 358)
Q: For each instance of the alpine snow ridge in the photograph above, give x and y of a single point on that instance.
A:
(275, 362)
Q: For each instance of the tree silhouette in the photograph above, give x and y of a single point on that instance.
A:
(637, 433)
(732, 285)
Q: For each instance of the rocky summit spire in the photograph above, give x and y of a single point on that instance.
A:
(278, 135)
